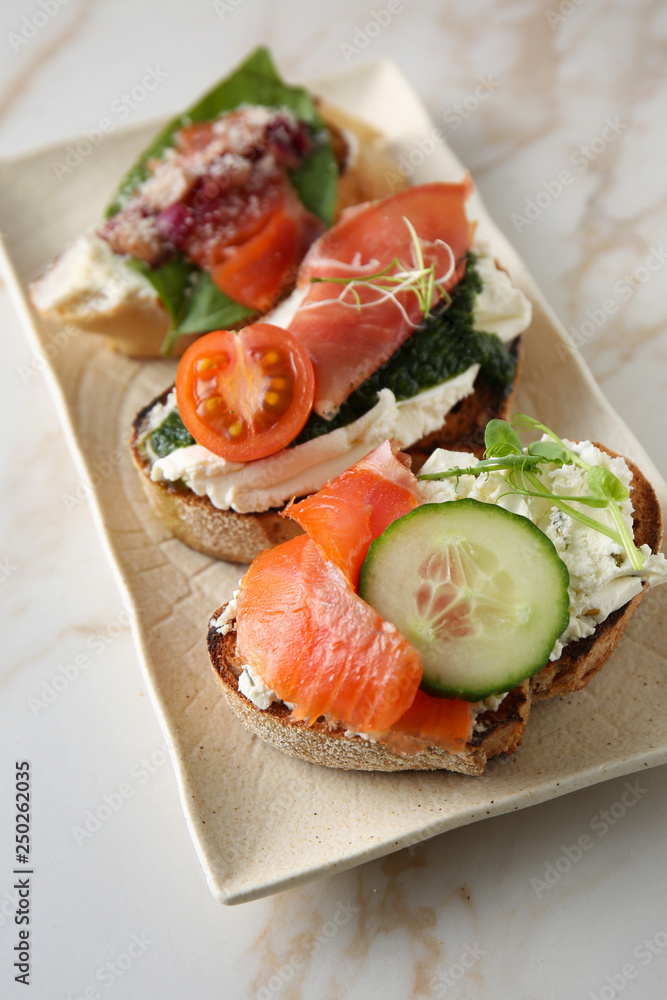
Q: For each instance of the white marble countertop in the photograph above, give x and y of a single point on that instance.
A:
(508, 908)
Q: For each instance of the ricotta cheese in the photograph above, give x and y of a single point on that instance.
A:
(490, 704)
(602, 578)
(225, 622)
(255, 690)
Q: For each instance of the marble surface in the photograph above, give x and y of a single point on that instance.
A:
(512, 907)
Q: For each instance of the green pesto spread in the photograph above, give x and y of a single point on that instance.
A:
(443, 345)
(170, 435)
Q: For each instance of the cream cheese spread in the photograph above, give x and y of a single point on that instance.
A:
(500, 307)
(225, 622)
(272, 481)
(490, 704)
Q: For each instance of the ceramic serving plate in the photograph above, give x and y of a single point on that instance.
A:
(260, 821)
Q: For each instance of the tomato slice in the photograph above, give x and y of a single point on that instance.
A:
(245, 394)
(256, 272)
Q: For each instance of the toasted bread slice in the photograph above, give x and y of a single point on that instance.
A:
(102, 295)
(495, 732)
(225, 534)
(327, 744)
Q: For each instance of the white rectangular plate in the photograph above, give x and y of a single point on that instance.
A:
(262, 822)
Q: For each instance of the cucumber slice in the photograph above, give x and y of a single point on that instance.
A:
(480, 592)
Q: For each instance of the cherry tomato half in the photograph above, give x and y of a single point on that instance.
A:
(245, 394)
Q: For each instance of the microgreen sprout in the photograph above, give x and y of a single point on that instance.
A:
(400, 277)
(505, 453)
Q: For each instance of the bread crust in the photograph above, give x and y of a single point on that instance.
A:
(326, 744)
(582, 659)
(223, 534)
(238, 538)
(322, 743)
(137, 325)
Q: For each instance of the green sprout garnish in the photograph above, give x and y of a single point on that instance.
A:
(504, 452)
(419, 279)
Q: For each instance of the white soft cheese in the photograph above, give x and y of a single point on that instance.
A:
(225, 622)
(490, 704)
(157, 416)
(500, 307)
(88, 276)
(602, 578)
(272, 481)
(255, 690)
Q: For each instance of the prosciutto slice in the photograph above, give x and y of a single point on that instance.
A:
(350, 329)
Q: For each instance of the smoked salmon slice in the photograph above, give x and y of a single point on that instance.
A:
(352, 510)
(442, 722)
(349, 331)
(302, 628)
(257, 272)
(222, 196)
(252, 242)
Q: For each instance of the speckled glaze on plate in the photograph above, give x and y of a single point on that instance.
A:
(262, 822)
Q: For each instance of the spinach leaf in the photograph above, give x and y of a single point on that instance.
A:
(170, 282)
(192, 300)
(194, 303)
(256, 81)
(210, 309)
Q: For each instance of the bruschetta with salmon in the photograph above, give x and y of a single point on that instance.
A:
(416, 620)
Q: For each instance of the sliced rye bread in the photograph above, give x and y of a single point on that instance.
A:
(502, 732)
(238, 538)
